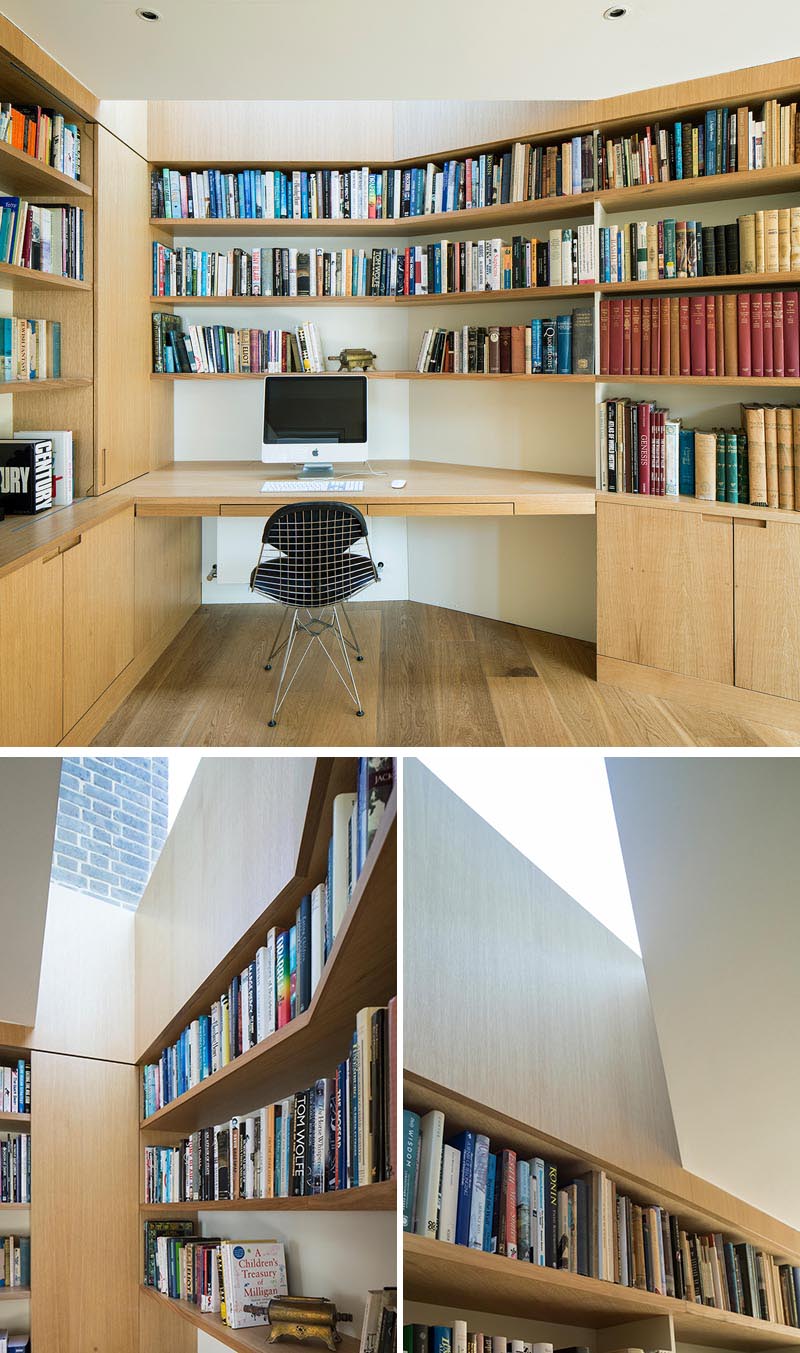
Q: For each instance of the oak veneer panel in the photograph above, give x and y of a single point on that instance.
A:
(31, 654)
(233, 847)
(122, 316)
(665, 590)
(25, 68)
(278, 131)
(84, 1206)
(159, 1329)
(98, 612)
(167, 573)
(766, 619)
(570, 994)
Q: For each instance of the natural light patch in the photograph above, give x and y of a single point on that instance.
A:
(555, 808)
(182, 766)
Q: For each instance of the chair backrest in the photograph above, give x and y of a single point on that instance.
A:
(313, 534)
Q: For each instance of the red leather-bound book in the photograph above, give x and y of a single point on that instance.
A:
(636, 336)
(683, 329)
(720, 323)
(646, 345)
(791, 336)
(626, 336)
(615, 337)
(655, 337)
(663, 324)
(756, 333)
(766, 332)
(711, 336)
(697, 334)
(644, 448)
(778, 357)
(743, 329)
(605, 338)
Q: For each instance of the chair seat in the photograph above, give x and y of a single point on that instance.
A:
(293, 586)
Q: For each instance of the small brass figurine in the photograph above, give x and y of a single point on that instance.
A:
(354, 359)
(304, 1319)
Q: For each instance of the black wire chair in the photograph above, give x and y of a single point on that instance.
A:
(310, 563)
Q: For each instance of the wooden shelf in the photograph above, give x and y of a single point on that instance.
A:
(449, 298)
(782, 382)
(26, 279)
(716, 187)
(243, 1341)
(15, 1119)
(24, 176)
(361, 970)
(15, 1293)
(15, 1207)
(72, 383)
(453, 1275)
(716, 283)
(371, 1198)
(706, 508)
(542, 378)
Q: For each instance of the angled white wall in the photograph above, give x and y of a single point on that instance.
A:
(28, 805)
(710, 847)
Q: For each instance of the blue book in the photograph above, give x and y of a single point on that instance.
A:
(292, 969)
(577, 176)
(549, 349)
(536, 346)
(488, 1212)
(686, 462)
(478, 1199)
(678, 135)
(6, 373)
(354, 1139)
(523, 1211)
(437, 268)
(564, 345)
(465, 1143)
(411, 1123)
(441, 1339)
(711, 141)
(328, 904)
(305, 210)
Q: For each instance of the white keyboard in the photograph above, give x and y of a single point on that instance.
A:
(326, 486)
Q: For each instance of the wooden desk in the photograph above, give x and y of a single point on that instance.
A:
(232, 489)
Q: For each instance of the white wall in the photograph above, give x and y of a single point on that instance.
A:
(28, 805)
(710, 848)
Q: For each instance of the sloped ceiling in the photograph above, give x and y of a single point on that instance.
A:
(710, 848)
(28, 805)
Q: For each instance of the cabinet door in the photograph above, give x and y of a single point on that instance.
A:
(98, 613)
(167, 552)
(31, 616)
(122, 318)
(665, 589)
(767, 606)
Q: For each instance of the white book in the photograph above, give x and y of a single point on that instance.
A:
(672, 429)
(459, 1336)
(364, 1097)
(555, 258)
(244, 1002)
(448, 1207)
(430, 1172)
(343, 805)
(254, 1271)
(62, 463)
(317, 935)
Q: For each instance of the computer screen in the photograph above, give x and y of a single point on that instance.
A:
(315, 417)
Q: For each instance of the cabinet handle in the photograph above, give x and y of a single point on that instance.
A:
(714, 517)
(105, 467)
(751, 521)
(48, 558)
(65, 549)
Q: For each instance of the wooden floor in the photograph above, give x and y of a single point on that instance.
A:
(431, 677)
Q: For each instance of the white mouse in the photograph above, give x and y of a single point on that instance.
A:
(398, 483)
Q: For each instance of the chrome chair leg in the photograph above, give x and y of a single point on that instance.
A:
(342, 641)
(275, 650)
(289, 645)
(355, 644)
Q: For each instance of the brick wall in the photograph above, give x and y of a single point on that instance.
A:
(111, 825)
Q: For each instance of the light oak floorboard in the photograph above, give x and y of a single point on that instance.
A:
(431, 677)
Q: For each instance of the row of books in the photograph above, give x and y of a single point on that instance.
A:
(15, 1261)
(335, 1135)
(464, 1192)
(43, 134)
(705, 334)
(456, 1338)
(645, 450)
(723, 141)
(15, 1081)
(222, 1277)
(15, 1167)
(563, 345)
(220, 348)
(283, 974)
(758, 242)
(45, 239)
(30, 349)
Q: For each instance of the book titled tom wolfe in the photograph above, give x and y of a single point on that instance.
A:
(253, 1272)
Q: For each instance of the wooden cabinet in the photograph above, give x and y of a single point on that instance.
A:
(665, 589)
(31, 654)
(98, 612)
(167, 555)
(122, 314)
(767, 606)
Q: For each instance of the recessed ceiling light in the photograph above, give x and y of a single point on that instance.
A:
(615, 12)
(151, 15)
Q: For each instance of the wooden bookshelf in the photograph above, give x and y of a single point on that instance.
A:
(27, 279)
(734, 382)
(380, 1197)
(15, 1207)
(542, 379)
(453, 1275)
(25, 176)
(739, 281)
(15, 1294)
(17, 387)
(243, 1341)
(22, 1120)
(430, 299)
(743, 511)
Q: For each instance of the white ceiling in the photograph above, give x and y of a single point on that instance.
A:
(328, 49)
(710, 848)
(28, 804)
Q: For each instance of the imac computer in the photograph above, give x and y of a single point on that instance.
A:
(314, 421)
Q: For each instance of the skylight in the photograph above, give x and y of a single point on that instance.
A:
(555, 808)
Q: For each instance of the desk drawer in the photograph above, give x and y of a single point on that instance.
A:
(446, 509)
(176, 507)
